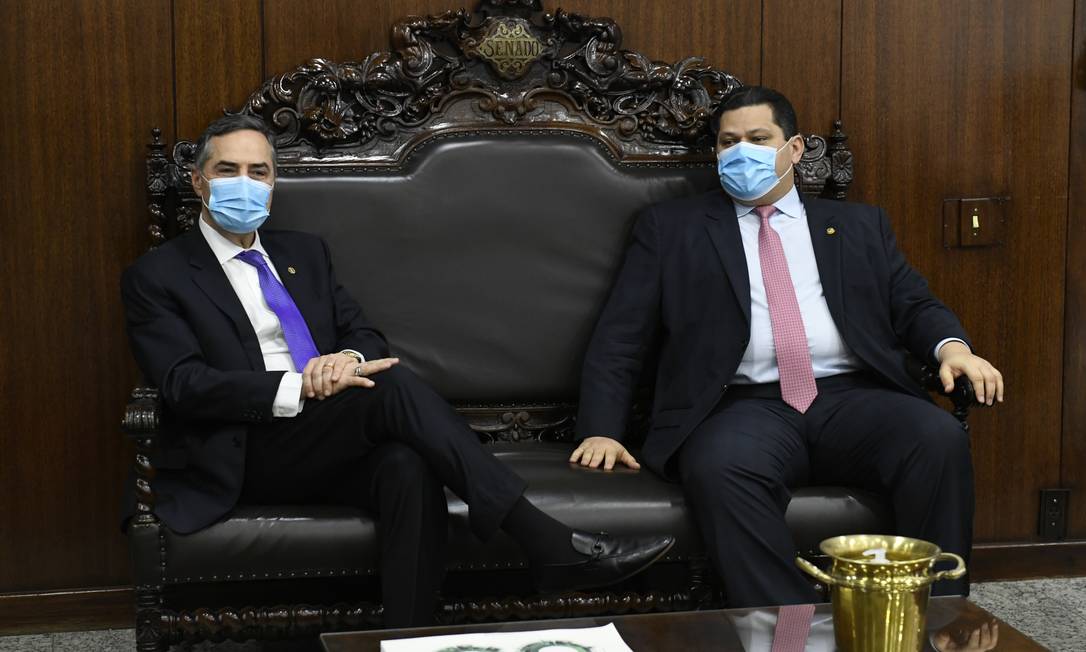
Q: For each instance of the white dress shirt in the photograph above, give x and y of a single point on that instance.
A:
(829, 353)
(273, 345)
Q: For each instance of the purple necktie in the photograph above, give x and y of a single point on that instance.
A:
(295, 332)
(798, 387)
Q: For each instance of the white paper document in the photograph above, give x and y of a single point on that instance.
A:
(590, 639)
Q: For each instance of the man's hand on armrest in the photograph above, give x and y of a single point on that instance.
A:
(594, 450)
(955, 359)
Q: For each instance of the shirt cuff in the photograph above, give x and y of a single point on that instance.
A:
(939, 346)
(288, 401)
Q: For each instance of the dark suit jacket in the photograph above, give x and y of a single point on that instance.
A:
(684, 287)
(192, 340)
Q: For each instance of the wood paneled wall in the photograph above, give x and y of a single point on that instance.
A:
(1073, 454)
(940, 100)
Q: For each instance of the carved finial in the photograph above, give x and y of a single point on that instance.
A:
(156, 136)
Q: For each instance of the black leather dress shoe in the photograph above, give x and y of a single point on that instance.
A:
(606, 559)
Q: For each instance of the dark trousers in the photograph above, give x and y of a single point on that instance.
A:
(739, 466)
(388, 450)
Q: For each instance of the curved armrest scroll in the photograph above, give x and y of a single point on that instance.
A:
(962, 396)
(141, 417)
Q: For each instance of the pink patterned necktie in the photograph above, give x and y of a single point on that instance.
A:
(793, 628)
(798, 387)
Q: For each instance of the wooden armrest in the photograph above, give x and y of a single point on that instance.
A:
(140, 422)
(962, 396)
(141, 414)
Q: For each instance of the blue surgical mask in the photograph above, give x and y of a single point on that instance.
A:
(238, 204)
(749, 171)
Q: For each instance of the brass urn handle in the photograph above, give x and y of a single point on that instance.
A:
(953, 573)
(817, 573)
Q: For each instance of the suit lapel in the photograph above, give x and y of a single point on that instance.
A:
(826, 238)
(723, 227)
(298, 278)
(207, 274)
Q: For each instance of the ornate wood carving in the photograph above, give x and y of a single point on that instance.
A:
(575, 605)
(505, 67)
(296, 621)
(141, 418)
(502, 64)
(149, 619)
(265, 623)
(512, 422)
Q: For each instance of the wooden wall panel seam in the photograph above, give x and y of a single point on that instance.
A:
(173, 70)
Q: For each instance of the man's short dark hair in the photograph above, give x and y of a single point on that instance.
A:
(783, 113)
(226, 125)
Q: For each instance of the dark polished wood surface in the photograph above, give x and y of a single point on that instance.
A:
(695, 630)
(85, 80)
(217, 60)
(1023, 561)
(931, 114)
(66, 611)
(1073, 457)
(814, 87)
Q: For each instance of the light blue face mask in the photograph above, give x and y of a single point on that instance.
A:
(238, 204)
(749, 171)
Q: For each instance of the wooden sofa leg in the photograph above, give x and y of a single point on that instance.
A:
(149, 634)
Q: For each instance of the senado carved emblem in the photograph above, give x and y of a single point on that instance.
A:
(510, 47)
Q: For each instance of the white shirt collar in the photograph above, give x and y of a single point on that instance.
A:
(223, 249)
(790, 205)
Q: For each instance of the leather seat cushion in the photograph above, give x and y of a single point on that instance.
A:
(297, 541)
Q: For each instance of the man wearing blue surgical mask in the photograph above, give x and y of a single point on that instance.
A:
(783, 324)
(278, 391)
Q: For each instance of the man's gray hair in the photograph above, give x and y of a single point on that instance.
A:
(229, 124)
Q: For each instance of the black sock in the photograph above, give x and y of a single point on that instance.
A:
(543, 539)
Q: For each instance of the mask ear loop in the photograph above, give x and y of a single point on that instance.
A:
(791, 165)
(208, 182)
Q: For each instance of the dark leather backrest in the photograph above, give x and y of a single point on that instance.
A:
(485, 259)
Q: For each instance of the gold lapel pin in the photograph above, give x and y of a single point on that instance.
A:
(829, 231)
(291, 270)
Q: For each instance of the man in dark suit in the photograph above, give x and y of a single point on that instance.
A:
(783, 325)
(277, 390)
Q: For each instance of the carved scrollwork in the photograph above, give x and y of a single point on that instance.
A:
(506, 62)
(840, 163)
(813, 169)
(149, 619)
(188, 203)
(141, 419)
(157, 186)
(541, 72)
(576, 605)
(142, 412)
(266, 623)
(513, 423)
(295, 621)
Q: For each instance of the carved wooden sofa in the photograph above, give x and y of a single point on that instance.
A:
(476, 185)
